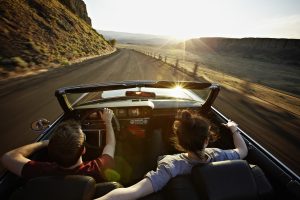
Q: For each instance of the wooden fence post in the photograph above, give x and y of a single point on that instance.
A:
(196, 68)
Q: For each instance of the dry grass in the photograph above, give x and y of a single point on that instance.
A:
(254, 91)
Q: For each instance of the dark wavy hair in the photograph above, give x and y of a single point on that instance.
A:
(67, 143)
(191, 131)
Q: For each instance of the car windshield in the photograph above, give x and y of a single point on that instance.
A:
(79, 99)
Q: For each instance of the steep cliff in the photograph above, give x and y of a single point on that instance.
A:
(78, 7)
(267, 49)
(39, 33)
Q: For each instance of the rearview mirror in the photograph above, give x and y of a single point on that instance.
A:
(40, 124)
(140, 94)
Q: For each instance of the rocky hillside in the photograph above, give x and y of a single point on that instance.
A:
(77, 7)
(39, 34)
(285, 51)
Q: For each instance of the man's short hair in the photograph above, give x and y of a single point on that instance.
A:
(67, 143)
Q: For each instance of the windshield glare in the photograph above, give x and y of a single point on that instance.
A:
(160, 92)
(78, 99)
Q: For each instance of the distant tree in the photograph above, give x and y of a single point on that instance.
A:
(112, 42)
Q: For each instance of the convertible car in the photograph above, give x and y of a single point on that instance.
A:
(144, 114)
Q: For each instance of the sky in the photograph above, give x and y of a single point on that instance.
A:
(198, 18)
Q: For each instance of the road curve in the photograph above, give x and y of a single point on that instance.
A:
(25, 100)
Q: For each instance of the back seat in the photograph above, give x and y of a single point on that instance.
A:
(219, 181)
(70, 187)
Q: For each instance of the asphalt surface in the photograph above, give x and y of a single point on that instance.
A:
(25, 100)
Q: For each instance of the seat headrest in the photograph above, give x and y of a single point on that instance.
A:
(181, 187)
(58, 187)
(225, 180)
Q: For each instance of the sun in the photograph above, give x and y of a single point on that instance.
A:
(182, 36)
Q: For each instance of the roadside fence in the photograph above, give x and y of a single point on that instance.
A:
(199, 70)
(189, 67)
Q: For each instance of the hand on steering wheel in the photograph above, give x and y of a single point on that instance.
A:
(107, 115)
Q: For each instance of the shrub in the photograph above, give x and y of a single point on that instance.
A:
(112, 42)
(64, 61)
(19, 62)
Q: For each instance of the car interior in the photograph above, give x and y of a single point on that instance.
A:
(142, 135)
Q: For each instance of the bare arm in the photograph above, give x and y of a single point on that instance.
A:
(138, 190)
(110, 135)
(14, 160)
(239, 143)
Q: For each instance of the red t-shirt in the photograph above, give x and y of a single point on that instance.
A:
(94, 168)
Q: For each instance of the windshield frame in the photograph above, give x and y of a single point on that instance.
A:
(68, 106)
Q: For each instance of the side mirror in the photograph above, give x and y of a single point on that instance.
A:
(40, 125)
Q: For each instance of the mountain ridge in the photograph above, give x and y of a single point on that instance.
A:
(279, 50)
(78, 7)
(138, 38)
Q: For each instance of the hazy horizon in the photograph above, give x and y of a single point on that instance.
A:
(172, 37)
(198, 18)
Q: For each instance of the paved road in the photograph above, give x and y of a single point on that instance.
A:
(25, 100)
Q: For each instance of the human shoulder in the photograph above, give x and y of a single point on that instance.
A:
(168, 167)
(102, 162)
(37, 168)
(42, 164)
(175, 164)
(216, 154)
(171, 159)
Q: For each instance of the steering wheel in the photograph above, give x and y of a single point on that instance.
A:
(96, 112)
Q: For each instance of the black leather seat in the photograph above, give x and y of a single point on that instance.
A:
(225, 180)
(181, 187)
(71, 187)
(231, 180)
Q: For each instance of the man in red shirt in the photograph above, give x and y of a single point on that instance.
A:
(65, 147)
